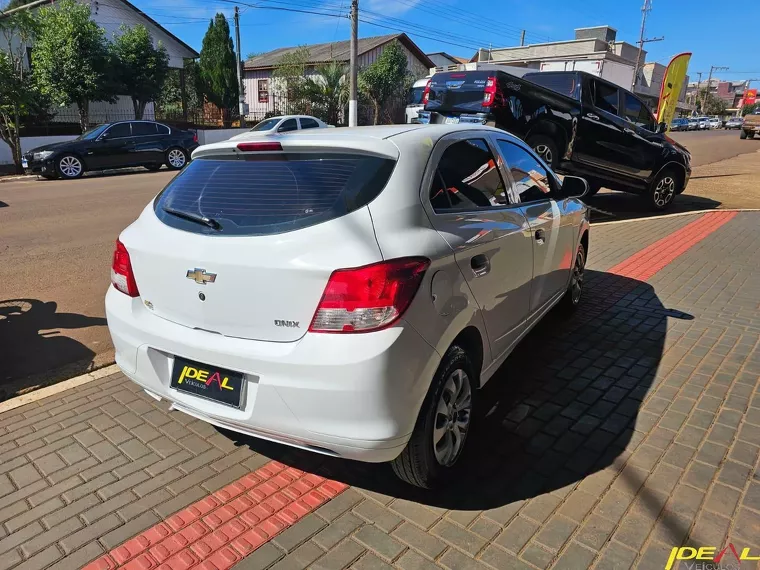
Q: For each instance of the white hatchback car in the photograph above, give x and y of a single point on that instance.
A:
(346, 291)
(283, 124)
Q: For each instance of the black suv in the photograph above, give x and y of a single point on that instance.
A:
(578, 123)
(113, 145)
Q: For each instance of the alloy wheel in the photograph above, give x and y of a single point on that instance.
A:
(176, 158)
(544, 152)
(70, 166)
(452, 418)
(664, 191)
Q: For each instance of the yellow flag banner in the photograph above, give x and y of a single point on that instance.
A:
(672, 83)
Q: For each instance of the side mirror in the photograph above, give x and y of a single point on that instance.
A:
(574, 187)
(662, 128)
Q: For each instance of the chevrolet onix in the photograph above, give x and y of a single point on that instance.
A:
(346, 291)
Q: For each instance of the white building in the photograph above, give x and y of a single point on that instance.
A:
(257, 78)
(111, 15)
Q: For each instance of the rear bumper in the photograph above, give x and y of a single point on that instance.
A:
(353, 396)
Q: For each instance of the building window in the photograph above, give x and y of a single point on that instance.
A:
(263, 90)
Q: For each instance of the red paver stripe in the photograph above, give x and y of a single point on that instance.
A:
(644, 264)
(220, 530)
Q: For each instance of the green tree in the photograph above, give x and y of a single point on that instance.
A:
(327, 91)
(142, 68)
(385, 81)
(289, 80)
(169, 101)
(71, 58)
(709, 104)
(748, 109)
(19, 98)
(217, 69)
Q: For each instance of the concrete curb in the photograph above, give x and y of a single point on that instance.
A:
(36, 395)
(679, 214)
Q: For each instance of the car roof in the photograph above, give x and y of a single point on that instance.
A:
(288, 117)
(381, 139)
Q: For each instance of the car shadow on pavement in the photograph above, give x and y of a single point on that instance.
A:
(562, 407)
(32, 346)
(609, 206)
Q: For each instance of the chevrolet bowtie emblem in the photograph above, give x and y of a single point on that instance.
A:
(200, 276)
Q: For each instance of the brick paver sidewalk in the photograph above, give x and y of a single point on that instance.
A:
(637, 430)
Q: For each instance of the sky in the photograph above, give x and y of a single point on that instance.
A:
(460, 27)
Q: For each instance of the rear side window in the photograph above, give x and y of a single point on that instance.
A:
(562, 83)
(271, 194)
(140, 128)
(604, 97)
(467, 178)
(163, 129)
(309, 124)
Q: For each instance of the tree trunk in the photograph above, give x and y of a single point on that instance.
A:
(84, 114)
(16, 147)
(136, 107)
(377, 112)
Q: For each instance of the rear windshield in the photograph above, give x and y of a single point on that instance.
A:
(461, 91)
(563, 83)
(270, 194)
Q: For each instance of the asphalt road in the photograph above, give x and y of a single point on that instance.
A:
(56, 242)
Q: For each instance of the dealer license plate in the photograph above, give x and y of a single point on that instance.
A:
(209, 382)
(24, 163)
(452, 120)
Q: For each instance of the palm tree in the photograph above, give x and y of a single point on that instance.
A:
(327, 91)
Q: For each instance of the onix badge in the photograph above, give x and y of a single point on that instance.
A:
(200, 276)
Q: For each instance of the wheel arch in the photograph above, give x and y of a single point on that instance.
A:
(671, 165)
(76, 153)
(471, 341)
(552, 130)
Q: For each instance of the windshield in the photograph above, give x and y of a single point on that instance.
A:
(92, 133)
(415, 96)
(266, 125)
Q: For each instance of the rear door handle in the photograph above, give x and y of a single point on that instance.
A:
(480, 265)
(540, 237)
(592, 116)
(629, 131)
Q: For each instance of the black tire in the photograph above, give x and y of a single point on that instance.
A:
(664, 188)
(69, 166)
(750, 135)
(418, 464)
(546, 148)
(574, 294)
(743, 134)
(173, 161)
(153, 167)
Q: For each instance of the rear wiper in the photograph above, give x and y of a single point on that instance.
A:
(198, 219)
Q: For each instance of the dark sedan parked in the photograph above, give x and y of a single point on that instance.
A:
(113, 145)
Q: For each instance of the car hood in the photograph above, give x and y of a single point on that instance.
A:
(53, 146)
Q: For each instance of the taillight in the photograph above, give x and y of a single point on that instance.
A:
(122, 276)
(489, 93)
(368, 298)
(259, 146)
(195, 136)
(426, 93)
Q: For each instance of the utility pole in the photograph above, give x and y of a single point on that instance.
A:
(645, 9)
(352, 103)
(522, 38)
(239, 65)
(709, 81)
(699, 85)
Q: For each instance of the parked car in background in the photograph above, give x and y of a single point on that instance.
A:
(693, 124)
(283, 124)
(704, 123)
(734, 123)
(414, 100)
(113, 145)
(751, 125)
(716, 123)
(679, 124)
(577, 122)
(372, 280)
